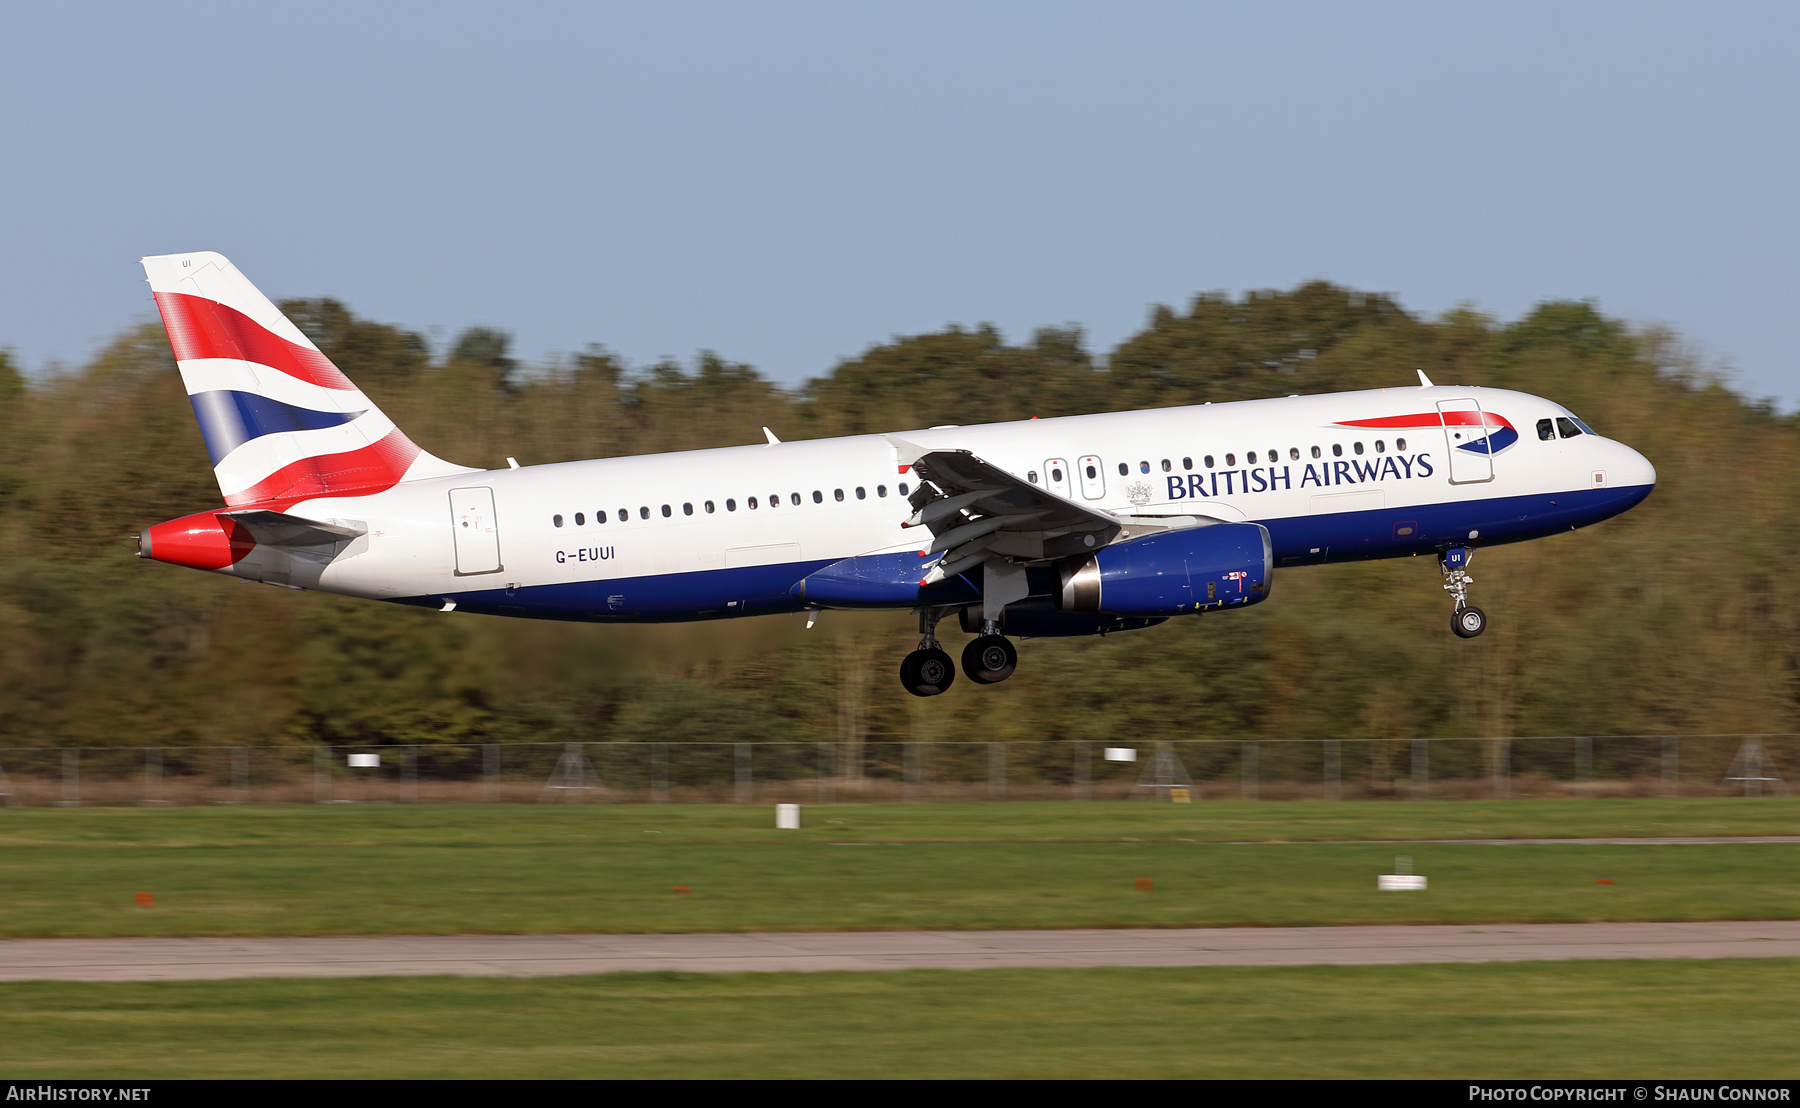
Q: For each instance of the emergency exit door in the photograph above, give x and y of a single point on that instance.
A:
(477, 533)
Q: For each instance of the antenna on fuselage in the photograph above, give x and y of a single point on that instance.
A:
(1424, 381)
(773, 441)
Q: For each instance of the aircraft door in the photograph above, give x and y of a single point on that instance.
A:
(477, 535)
(1093, 477)
(1056, 476)
(1466, 440)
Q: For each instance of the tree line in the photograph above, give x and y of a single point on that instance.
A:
(1675, 618)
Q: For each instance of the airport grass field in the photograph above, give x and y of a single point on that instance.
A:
(528, 869)
(1731, 1019)
(517, 869)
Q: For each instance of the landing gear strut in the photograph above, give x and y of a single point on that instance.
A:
(927, 671)
(1465, 619)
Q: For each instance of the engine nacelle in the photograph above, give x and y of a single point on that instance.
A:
(1221, 565)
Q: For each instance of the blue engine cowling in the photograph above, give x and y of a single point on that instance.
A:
(1221, 565)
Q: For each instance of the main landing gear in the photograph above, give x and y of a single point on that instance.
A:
(1465, 619)
(927, 671)
(988, 659)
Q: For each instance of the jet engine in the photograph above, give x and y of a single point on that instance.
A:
(1220, 565)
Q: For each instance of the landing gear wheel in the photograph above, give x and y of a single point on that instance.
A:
(1468, 622)
(927, 672)
(990, 659)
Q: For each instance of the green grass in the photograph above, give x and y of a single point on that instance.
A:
(475, 869)
(1678, 1019)
(1021, 821)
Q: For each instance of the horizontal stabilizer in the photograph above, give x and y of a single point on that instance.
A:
(279, 529)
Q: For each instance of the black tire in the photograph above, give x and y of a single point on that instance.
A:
(1468, 622)
(990, 659)
(927, 672)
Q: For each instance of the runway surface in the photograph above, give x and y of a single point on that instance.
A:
(552, 955)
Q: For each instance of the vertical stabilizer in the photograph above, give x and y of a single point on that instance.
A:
(281, 423)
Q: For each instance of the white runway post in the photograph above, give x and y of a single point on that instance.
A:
(1402, 879)
(787, 817)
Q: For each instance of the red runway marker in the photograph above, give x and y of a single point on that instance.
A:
(145, 900)
(683, 890)
(1144, 884)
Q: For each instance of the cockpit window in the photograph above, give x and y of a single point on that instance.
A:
(1567, 427)
(1582, 423)
(1546, 430)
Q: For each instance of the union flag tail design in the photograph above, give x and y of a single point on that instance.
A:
(281, 423)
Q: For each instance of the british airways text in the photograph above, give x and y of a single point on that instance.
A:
(1344, 471)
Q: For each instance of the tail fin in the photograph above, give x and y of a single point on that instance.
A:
(281, 423)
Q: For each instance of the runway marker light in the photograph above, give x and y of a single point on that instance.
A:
(1145, 884)
(684, 890)
(1179, 795)
(1603, 880)
(365, 761)
(787, 817)
(1121, 754)
(145, 900)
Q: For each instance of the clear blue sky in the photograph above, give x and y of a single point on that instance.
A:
(789, 183)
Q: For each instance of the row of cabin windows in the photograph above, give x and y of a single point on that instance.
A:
(731, 505)
(1251, 458)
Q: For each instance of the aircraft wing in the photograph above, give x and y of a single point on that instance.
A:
(975, 510)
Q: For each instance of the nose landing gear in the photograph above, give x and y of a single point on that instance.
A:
(927, 671)
(1466, 620)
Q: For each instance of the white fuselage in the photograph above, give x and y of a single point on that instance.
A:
(676, 536)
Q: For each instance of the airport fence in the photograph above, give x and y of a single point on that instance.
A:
(826, 773)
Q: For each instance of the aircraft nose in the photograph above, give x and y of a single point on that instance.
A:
(1634, 469)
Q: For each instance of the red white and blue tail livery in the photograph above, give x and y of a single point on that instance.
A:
(1042, 528)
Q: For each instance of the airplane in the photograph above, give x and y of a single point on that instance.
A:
(1076, 525)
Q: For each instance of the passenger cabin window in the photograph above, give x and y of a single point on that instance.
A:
(1231, 459)
(1399, 444)
(1315, 452)
(1209, 461)
(903, 488)
(580, 520)
(687, 509)
(1166, 465)
(1031, 475)
(1092, 473)
(860, 494)
(1567, 427)
(556, 520)
(643, 511)
(881, 490)
(600, 516)
(709, 507)
(730, 504)
(1380, 447)
(1144, 467)
(794, 498)
(1546, 430)
(838, 495)
(1293, 453)
(751, 503)
(1056, 475)
(1357, 446)
(1337, 450)
(1187, 463)
(1124, 469)
(666, 512)
(775, 501)
(624, 514)
(819, 497)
